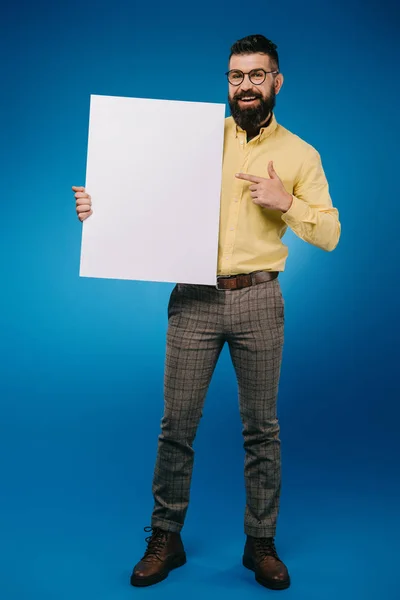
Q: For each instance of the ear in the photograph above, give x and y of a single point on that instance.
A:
(278, 82)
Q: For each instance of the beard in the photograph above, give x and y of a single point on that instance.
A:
(250, 118)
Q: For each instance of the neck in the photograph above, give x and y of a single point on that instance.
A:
(267, 120)
(251, 133)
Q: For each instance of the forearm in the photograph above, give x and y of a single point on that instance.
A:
(316, 225)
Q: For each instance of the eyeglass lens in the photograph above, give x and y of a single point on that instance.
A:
(256, 76)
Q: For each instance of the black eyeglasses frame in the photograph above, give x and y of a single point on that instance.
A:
(248, 74)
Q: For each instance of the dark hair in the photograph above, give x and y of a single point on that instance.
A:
(257, 43)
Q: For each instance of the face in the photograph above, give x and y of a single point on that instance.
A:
(251, 104)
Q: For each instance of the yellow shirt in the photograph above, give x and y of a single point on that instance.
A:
(250, 237)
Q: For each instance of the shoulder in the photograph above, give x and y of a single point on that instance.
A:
(294, 143)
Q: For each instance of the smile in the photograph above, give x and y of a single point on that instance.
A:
(248, 99)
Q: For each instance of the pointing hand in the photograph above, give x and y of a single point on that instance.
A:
(268, 193)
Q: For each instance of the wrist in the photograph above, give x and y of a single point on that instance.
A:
(287, 203)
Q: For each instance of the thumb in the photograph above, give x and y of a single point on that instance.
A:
(271, 171)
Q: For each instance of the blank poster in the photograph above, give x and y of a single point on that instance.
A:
(154, 174)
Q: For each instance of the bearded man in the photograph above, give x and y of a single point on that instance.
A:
(271, 180)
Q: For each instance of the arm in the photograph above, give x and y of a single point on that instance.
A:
(311, 215)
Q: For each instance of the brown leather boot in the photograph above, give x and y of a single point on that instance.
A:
(261, 557)
(164, 552)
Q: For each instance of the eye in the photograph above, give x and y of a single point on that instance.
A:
(257, 74)
(235, 75)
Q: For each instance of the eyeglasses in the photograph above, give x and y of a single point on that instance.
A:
(256, 76)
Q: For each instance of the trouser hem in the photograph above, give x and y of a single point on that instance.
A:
(167, 525)
(259, 532)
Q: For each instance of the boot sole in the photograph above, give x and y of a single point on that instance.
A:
(268, 583)
(178, 561)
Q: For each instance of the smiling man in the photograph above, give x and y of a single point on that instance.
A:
(271, 180)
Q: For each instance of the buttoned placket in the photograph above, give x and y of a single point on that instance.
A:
(237, 195)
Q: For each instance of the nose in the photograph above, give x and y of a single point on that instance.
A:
(246, 85)
(247, 89)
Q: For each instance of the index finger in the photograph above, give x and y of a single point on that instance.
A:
(246, 177)
(77, 188)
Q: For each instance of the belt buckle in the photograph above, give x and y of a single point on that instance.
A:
(223, 277)
(216, 285)
(239, 281)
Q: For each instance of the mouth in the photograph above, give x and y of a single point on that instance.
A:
(248, 99)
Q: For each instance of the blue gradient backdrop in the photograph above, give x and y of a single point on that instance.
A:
(82, 359)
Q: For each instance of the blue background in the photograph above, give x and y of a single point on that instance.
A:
(82, 359)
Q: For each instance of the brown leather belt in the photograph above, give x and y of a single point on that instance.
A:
(237, 282)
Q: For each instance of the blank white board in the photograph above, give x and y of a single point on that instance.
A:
(154, 174)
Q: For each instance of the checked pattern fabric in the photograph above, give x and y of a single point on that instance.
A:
(201, 319)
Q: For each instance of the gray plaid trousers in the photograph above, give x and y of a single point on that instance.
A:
(200, 320)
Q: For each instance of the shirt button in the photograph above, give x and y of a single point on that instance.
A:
(232, 228)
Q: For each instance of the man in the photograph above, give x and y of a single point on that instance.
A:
(271, 180)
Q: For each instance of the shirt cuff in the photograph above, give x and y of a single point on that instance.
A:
(297, 212)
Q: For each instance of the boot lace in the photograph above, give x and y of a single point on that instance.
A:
(265, 547)
(155, 542)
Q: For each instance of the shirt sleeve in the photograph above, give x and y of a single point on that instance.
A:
(311, 215)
